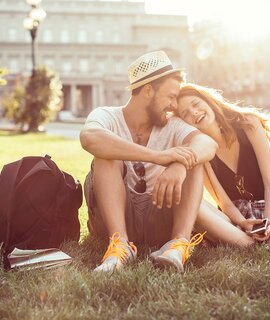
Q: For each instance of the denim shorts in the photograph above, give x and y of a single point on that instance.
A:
(250, 209)
(144, 222)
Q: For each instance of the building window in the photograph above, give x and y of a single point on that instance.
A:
(118, 67)
(83, 65)
(101, 66)
(99, 36)
(116, 37)
(47, 35)
(82, 36)
(65, 36)
(27, 36)
(100, 63)
(13, 65)
(67, 66)
(29, 65)
(12, 34)
(49, 62)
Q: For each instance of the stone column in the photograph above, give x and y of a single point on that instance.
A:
(101, 94)
(73, 100)
(94, 96)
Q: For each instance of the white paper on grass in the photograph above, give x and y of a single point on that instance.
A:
(36, 258)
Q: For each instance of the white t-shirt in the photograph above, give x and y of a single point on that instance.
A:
(161, 138)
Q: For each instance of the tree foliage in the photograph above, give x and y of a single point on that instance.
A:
(37, 102)
(3, 72)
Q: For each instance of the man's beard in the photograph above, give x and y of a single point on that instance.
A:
(155, 116)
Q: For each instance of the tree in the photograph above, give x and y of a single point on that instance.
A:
(37, 103)
(3, 72)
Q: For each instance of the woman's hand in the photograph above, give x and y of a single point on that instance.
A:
(248, 224)
(263, 237)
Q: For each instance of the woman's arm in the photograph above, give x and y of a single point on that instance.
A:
(220, 196)
(202, 145)
(224, 202)
(260, 143)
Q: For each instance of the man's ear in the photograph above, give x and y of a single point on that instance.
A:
(148, 91)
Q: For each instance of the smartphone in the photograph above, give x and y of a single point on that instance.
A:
(261, 227)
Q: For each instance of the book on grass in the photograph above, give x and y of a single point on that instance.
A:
(36, 259)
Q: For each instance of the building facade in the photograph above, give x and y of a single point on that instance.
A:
(90, 44)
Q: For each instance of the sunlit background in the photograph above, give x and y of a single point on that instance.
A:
(243, 18)
(219, 43)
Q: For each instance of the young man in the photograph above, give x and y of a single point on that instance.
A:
(146, 182)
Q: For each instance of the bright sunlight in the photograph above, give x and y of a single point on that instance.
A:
(242, 18)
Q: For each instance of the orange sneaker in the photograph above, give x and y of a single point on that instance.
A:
(119, 252)
(175, 252)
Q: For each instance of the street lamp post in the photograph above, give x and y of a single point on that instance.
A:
(31, 23)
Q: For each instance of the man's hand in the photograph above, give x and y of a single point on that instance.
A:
(169, 185)
(184, 155)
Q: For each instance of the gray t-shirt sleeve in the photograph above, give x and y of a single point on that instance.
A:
(101, 117)
(182, 130)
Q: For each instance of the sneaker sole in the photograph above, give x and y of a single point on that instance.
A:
(165, 263)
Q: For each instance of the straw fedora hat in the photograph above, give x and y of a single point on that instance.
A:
(149, 67)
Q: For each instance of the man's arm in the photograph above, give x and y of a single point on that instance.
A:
(104, 144)
(169, 184)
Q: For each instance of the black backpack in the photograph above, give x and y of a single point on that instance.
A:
(38, 204)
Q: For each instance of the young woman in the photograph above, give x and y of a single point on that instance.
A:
(240, 171)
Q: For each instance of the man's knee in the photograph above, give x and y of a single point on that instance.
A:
(194, 179)
(104, 166)
(195, 175)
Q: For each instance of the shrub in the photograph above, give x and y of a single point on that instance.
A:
(37, 102)
(3, 72)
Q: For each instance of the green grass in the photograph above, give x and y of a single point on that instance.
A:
(219, 283)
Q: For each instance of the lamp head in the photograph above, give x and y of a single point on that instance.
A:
(37, 14)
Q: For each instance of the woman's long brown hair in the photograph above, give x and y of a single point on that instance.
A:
(228, 115)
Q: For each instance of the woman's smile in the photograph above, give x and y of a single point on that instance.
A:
(199, 118)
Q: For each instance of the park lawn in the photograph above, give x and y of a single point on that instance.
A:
(219, 283)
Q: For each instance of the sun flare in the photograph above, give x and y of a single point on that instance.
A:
(242, 18)
(247, 19)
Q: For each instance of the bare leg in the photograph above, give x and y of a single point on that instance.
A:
(219, 228)
(175, 252)
(186, 212)
(110, 194)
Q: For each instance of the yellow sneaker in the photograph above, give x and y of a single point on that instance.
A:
(119, 252)
(175, 252)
